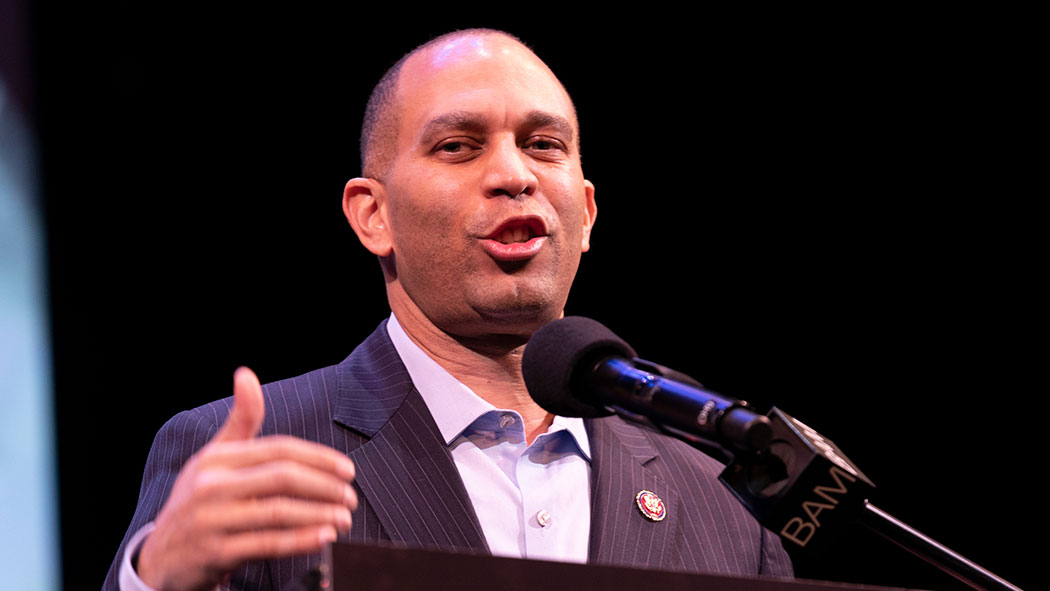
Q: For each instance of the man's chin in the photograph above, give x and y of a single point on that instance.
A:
(523, 320)
(517, 317)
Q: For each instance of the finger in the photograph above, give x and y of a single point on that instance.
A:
(276, 543)
(275, 513)
(242, 454)
(246, 416)
(279, 478)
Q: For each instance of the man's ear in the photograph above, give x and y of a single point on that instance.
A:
(590, 213)
(364, 205)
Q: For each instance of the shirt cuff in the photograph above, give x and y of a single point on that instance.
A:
(129, 579)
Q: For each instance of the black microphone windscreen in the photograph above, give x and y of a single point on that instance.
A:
(555, 352)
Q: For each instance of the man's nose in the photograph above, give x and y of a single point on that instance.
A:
(508, 172)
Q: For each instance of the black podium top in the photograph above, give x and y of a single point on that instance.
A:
(353, 567)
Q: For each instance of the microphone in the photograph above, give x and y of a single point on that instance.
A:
(794, 481)
(577, 367)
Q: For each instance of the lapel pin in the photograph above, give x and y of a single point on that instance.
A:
(651, 505)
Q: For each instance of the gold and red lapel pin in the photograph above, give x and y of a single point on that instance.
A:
(651, 505)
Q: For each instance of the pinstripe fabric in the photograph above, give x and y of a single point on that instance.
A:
(411, 494)
(706, 529)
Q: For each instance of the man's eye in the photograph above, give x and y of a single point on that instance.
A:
(547, 149)
(543, 144)
(456, 150)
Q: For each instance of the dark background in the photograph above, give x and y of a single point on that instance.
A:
(825, 212)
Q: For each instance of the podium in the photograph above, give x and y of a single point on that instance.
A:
(355, 567)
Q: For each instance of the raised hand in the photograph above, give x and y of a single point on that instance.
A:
(243, 497)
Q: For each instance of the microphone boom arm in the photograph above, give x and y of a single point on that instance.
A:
(931, 551)
(805, 489)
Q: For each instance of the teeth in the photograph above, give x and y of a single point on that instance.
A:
(512, 235)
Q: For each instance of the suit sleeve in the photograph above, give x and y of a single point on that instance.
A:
(176, 441)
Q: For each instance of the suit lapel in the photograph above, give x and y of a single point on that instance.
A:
(404, 469)
(407, 476)
(620, 533)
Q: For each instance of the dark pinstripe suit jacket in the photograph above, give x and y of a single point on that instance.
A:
(411, 494)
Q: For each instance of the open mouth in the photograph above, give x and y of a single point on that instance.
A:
(516, 234)
(518, 230)
(517, 239)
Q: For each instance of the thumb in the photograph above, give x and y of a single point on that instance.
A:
(246, 416)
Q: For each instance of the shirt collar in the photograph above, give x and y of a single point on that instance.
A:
(453, 405)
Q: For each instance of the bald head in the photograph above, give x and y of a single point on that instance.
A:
(379, 131)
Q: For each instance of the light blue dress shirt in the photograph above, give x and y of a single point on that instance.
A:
(533, 501)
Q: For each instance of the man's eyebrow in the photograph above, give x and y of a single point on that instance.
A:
(475, 123)
(544, 119)
(457, 120)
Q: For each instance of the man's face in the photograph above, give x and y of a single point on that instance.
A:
(486, 200)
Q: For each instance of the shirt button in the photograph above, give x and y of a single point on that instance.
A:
(506, 421)
(543, 517)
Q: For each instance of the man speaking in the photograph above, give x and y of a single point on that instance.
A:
(474, 201)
